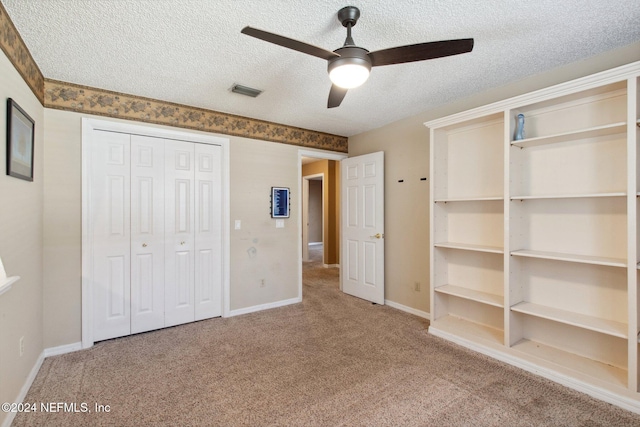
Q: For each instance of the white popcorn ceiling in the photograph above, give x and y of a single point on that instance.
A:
(191, 51)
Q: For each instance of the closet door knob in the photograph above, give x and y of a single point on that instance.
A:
(182, 243)
(144, 245)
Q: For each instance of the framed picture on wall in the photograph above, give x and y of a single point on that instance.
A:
(279, 202)
(20, 138)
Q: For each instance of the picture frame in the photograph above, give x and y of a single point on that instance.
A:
(20, 142)
(280, 202)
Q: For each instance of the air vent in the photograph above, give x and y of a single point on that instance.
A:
(244, 90)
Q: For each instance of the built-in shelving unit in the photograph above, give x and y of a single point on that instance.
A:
(535, 242)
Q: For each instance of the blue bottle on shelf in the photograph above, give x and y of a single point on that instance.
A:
(519, 127)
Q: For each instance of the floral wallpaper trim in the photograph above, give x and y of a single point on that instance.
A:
(13, 46)
(72, 97)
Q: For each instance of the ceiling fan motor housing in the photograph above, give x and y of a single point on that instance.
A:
(349, 15)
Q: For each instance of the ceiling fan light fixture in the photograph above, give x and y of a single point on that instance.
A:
(349, 76)
(351, 68)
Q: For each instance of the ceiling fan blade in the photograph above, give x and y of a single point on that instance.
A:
(420, 52)
(336, 95)
(289, 43)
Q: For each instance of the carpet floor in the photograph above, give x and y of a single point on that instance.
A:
(333, 360)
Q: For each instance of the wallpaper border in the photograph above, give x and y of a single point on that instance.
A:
(83, 99)
(16, 50)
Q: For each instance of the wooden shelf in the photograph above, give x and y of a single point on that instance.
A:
(468, 330)
(583, 259)
(570, 196)
(473, 295)
(573, 362)
(469, 199)
(469, 247)
(596, 324)
(593, 132)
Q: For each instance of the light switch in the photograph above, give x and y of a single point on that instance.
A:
(238, 224)
(279, 223)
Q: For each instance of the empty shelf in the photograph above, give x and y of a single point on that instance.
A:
(570, 196)
(584, 259)
(591, 323)
(469, 247)
(473, 295)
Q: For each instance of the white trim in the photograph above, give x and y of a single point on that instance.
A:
(409, 310)
(556, 91)
(331, 265)
(89, 125)
(594, 391)
(328, 155)
(62, 349)
(266, 306)
(314, 243)
(25, 388)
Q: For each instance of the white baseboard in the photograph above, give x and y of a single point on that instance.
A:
(62, 349)
(25, 389)
(592, 390)
(261, 307)
(314, 243)
(331, 265)
(410, 310)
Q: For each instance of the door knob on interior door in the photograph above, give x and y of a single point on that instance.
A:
(144, 245)
(378, 236)
(182, 243)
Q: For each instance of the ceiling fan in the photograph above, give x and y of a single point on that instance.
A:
(349, 65)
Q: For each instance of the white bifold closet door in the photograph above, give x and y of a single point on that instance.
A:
(157, 233)
(111, 234)
(147, 234)
(193, 224)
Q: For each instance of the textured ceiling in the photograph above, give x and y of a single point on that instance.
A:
(191, 51)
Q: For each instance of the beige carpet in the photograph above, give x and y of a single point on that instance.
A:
(333, 360)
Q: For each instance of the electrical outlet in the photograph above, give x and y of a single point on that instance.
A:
(262, 283)
(21, 346)
(416, 286)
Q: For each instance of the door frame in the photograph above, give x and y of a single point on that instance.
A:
(90, 125)
(320, 155)
(305, 202)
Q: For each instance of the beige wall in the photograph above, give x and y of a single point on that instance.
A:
(406, 147)
(258, 250)
(331, 194)
(20, 246)
(315, 210)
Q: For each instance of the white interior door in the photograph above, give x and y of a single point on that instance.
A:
(362, 249)
(147, 233)
(179, 232)
(208, 231)
(110, 228)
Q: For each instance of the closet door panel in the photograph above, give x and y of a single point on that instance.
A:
(110, 227)
(147, 233)
(208, 231)
(179, 232)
